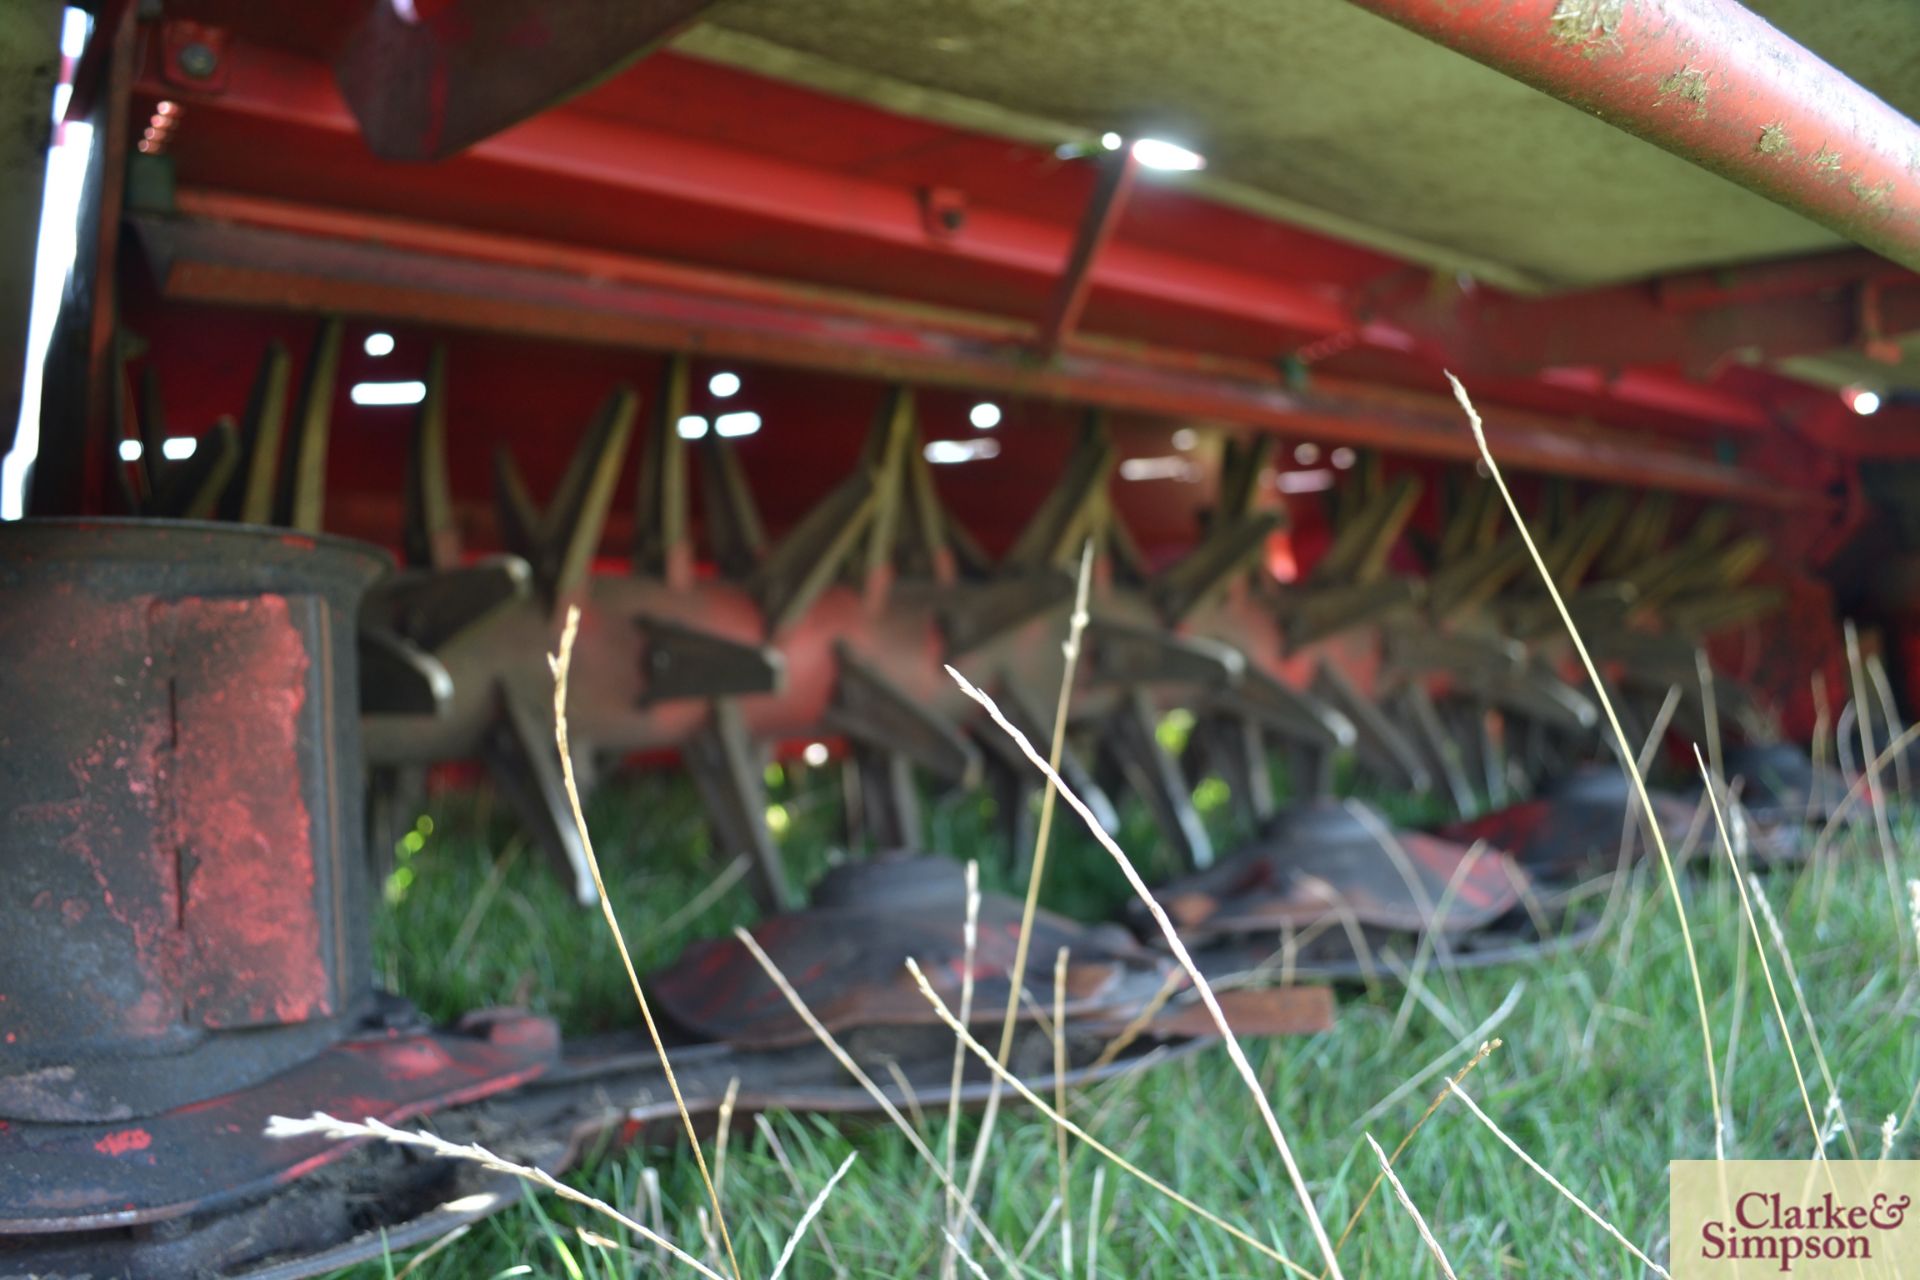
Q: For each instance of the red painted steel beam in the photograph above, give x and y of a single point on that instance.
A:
(427, 78)
(1712, 82)
(1103, 215)
(377, 274)
(296, 94)
(1696, 322)
(291, 92)
(1783, 279)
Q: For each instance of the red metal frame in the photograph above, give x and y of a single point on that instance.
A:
(704, 197)
(781, 226)
(202, 260)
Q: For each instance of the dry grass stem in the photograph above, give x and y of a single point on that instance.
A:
(874, 1091)
(1710, 711)
(814, 1207)
(1554, 1182)
(780, 1158)
(1432, 940)
(477, 910)
(1406, 1202)
(1480, 1035)
(1093, 1221)
(656, 1211)
(1041, 1105)
(1766, 968)
(1913, 1100)
(1179, 948)
(970, 935)
(1140, 1021)
(1876, 794)
(729, 876)
(1626, 759)
(723, 1131)
(1060, 1105)
(1479, 1056)
(343, 1130)
(1800, 999)
(561, 664)
(444, 1241)
(1070, 650)
(1041, 1227)
(1883, 690)
(959, 1249)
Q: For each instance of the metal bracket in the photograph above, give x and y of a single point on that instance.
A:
(249, 497)
(433, 607)
(885, 805)
(578, 513)
(812, 554)
(980, 614)
(1233, 748)
(432, 534)
(525, 765)
(1019, 708)
(1202, 575)
(1066, 517)
(661, 548)
(301, 497)
(396, 678)
(1155, 777)
(1379, 744)
(1359, 550)
(678, 661)
(1121, 653)
(1317, 613)
(1291, 713)
(1443, 756)
(726, 772)
(873, 711)
(735, 535)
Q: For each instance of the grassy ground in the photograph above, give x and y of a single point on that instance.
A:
(1600, 1078)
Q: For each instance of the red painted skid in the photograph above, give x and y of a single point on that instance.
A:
(1715, 84)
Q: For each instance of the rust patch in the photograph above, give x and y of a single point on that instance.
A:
(1689, 84)
(1773, 140)
(1587, 25)
(1878, 197)
(123, 1141)
(1826, 160)
(243, 834)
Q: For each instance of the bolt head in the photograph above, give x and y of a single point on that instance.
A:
(198, 60)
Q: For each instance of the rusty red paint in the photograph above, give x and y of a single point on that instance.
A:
(243, 833)
(415, 1060)
(123, 1141)
(108, 824)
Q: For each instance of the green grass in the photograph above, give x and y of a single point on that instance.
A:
(1600, 1077)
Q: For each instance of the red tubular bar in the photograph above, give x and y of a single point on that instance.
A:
(377, 267)
(1713, 83)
